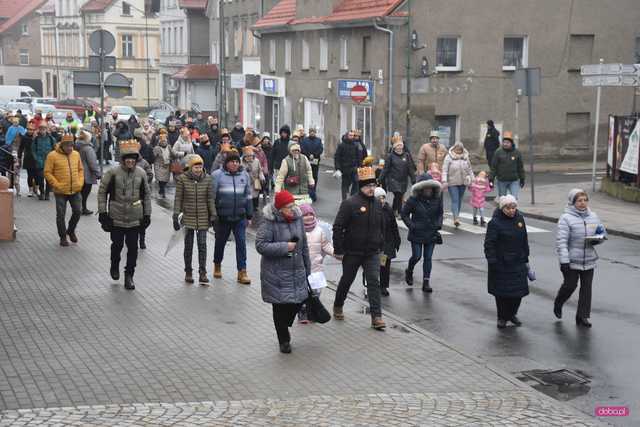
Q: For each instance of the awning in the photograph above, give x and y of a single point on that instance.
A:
(198, 72)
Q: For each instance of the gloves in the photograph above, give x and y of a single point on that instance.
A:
(146, 220)
(491, 183)
(337, 174)
(176, 223)
(565, 268)
(213, 221)
(521, 182)
(105, 222)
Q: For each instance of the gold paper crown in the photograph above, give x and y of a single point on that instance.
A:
(396, 139)
(130, 146)
(366, 174)
(368, 161)
(67, 137)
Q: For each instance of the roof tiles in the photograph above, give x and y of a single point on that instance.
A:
(13, 11)
(197, 72)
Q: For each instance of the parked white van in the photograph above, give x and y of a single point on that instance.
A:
(9, 93)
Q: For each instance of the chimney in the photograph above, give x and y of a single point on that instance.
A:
(315, 8)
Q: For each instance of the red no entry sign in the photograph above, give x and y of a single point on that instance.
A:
(359, 93)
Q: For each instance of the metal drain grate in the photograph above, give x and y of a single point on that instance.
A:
(558, 377)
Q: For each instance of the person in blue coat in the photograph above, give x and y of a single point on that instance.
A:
(506, 247)
(312, 147)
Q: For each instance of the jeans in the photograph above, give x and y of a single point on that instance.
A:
(188, 249)
(75, 200)
(477, 211)
(385, 274)
(315, 169)
(456, 192)
(417, 250)
(86, 190)
(223, 229)
(370, 265)
(31, 177)
(283, 316)
(570, 284)
(120, 236)
(163, 186)
(349, 184)
(511, 187)
(43, 185)
(507, 307)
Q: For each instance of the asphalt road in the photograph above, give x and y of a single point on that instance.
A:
(462, 312)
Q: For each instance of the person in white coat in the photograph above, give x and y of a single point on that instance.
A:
(320, 246)
(456, 176)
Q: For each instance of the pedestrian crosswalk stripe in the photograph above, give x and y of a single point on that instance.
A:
(475, 229)
(402, 226)
(530, 229)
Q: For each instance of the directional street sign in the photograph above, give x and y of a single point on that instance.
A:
(614, 81)
(609, 69)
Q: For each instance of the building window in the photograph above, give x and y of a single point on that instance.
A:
(237, 40)
(127, 46)
(126, 9)
(515, 53)
(580, 51)
(449, 54)
(344, 53)
(636, 56)
(305, 54)
(287, 55)
(448, 128)
(215, 54)
(226, 41)
(1, 56)
(24, 56)
(24, 29)
(366, 52)
(324, 54)
(181, 42)
(272, 55)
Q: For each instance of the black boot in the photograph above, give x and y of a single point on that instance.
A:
(425, 286)
(143, 244)
(482, 222)
(408, 276)
(128, 282)
(557, 309)
(285, 348)
(384, 292)
(475, 220)
(115, 272)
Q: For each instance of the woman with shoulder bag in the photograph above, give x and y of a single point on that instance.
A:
(399, 169)
(423, 214)
(579, 230)
(285, 263)
(456, 176)
(295, 174)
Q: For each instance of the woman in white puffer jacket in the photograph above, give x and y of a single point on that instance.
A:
(579, 230)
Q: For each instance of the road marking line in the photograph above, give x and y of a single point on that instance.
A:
(530, 229)
(584, 173)
(404, 227)
(475, 229)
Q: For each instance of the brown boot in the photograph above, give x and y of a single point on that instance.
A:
(243, 277)
(337, 313)
(188, 277)
(203, 277)
(217, 271)
(378, 324)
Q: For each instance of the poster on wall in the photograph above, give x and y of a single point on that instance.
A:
(612, 134)
(626, 126)
(630, 161)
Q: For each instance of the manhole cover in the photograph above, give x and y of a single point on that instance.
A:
(558, 377)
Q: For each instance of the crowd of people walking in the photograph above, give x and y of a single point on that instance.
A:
(221, 177)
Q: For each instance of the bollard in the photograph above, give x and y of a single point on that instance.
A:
(6, 210)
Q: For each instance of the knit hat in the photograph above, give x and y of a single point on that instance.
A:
(138, 133)
(507, 200)
(282, 199)
(434, 134)
(379, 192)
(294, 146)
(194, 159)
(573, 195)
(308, 217)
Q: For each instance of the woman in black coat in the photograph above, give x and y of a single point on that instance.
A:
(422, 214)
(391, 241)
(506, 247)
(399, 169)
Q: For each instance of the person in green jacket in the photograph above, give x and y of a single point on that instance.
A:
(507, 168)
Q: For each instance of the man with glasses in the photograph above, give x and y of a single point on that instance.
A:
(358, 237)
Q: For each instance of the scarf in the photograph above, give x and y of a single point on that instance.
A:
(310, 222)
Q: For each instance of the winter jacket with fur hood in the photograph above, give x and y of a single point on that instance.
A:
(423, 216)
(573, 226)
(283, 275)
(457, 168)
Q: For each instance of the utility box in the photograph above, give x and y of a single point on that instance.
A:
(6, 210)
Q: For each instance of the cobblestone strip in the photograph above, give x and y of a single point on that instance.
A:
(522, 408)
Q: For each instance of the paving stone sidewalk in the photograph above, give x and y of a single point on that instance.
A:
(77, 349)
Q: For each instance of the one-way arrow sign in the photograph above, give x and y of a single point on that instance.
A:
(624, 80)
(610, 69)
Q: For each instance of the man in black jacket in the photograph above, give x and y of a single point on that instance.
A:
(280, 149)
(358, 237)
(347, 159)
(491, 141)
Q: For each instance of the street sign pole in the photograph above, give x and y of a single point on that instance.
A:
(595, 136)
(529, 90)
(102, 122)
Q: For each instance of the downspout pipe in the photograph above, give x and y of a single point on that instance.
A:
(390, 80)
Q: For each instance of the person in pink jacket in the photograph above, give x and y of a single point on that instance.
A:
(320, 246)
(479, 189)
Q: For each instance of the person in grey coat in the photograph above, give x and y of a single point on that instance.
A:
(285, 263)
(90, 166)
(579, 230)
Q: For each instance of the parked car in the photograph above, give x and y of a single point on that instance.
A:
(60, 115)
(78, 105)
(11, 93)
(159, 116)
(124, 112)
